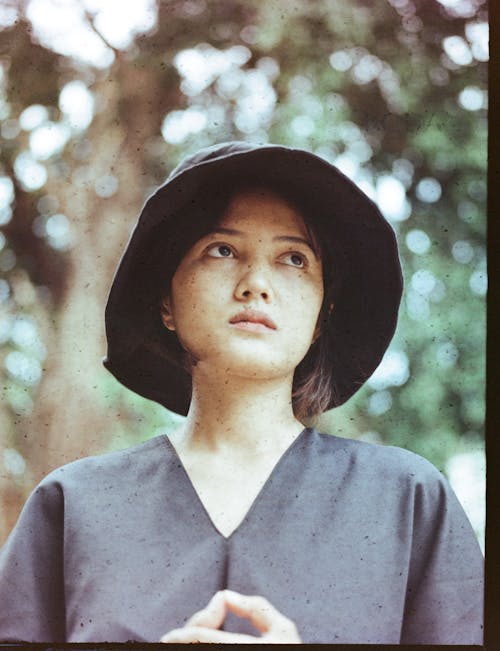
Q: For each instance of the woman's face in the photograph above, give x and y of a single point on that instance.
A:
(246, 297)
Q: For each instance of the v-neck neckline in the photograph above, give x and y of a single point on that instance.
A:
(259, 496)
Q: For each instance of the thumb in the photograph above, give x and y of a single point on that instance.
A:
(212, 615)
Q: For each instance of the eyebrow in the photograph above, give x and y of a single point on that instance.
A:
(277, 238)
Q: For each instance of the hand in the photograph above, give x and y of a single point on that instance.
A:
(204, 625)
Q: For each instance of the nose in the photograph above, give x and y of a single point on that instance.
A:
(254, 283)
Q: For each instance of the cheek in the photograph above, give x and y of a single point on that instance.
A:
(194, 301)
(303, 308)
(305, 301)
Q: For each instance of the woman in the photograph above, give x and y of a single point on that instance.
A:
(259, 288)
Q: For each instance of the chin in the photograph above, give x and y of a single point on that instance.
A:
(250, 358)
(253, 366)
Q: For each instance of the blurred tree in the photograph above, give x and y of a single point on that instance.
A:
(393, 92)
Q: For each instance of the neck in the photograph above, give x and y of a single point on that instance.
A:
(239, 414)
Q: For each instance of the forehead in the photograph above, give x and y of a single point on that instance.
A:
(263, 209)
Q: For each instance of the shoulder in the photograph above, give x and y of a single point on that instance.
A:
(106, 469)
(388, 480)
(381, 462)
(83, 492)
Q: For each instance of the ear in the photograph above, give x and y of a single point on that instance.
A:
(166, 314)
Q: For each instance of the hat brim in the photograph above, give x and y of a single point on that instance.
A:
(365, 312)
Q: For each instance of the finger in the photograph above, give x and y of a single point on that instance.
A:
(191, 634)
(212, 615)
(262, 614)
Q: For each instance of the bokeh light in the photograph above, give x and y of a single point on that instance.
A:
(428, 190)
(33, 116)
(393, 370)
(418, 241)
(31, 174)
(23, 368)
(391, 198)
(178, 125)
(77, 104)
(48, 139)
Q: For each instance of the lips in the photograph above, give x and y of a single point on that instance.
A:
(249, 317)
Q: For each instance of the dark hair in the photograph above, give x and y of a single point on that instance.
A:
(313, 390)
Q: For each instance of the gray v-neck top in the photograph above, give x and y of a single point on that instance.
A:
(356, 543)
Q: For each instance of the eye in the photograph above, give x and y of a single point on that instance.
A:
(220, 251)
(295, 259)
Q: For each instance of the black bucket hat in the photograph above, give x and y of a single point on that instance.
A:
(144, 356)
